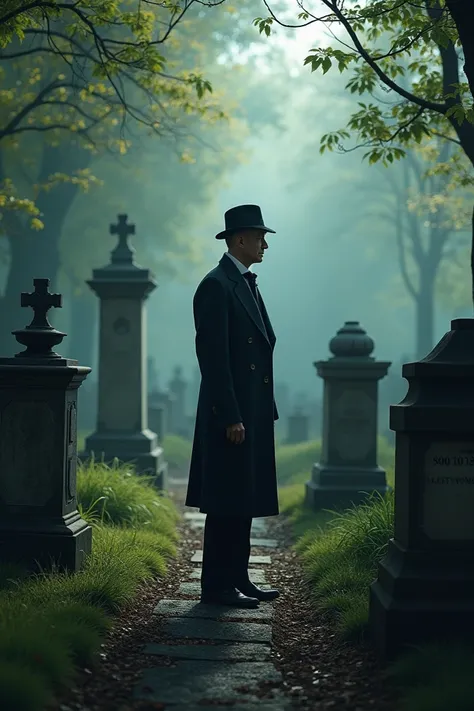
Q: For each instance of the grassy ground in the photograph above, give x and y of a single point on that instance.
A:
(340, 553)
(50, 623)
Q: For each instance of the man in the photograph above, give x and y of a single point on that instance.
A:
(233, 477)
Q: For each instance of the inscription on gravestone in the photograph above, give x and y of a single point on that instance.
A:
(448, 491)
(353, 425)
(27, 427)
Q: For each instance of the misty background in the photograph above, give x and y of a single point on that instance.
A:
(333, 257)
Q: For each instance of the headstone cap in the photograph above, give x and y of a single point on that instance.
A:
(351, 341)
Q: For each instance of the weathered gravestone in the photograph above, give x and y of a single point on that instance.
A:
(348, 469)
(425, 587)
(298, 427)
(122, 428)
(39, 521)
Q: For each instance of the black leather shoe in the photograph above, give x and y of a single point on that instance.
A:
(252, 590)
(230, 597)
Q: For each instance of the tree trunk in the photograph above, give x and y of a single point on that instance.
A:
(462, 12)
(425, 312)
(36, 254)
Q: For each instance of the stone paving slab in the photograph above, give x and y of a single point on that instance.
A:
(195, 588)
(193, 682)
(190, 608)
(257, 528)
(256, 575)
(243, 651)
(190, 628)
(254, 559)
(264, 542)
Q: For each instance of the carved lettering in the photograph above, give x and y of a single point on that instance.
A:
(448, 491)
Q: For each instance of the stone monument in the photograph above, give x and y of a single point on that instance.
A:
(40, 525)
(425, 587)
(122, 428)
(348, 469)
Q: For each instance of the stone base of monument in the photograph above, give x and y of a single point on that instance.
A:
(46, 544)
(422, 597)
(138, 448)
(333, 487)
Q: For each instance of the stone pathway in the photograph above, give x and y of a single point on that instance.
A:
(221, 655)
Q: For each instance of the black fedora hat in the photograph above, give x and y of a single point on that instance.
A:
(243, 217)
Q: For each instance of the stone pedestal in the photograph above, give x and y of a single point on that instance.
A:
(122, 427)
(348, 469)
(40, 526)
(425, 587)
(298, 427)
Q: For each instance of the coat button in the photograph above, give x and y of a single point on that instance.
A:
(250, 340)
(252, 366)
(266, 379)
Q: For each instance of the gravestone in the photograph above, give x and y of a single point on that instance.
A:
(122, 428)
(348, 469)
(177, 388)
(298, 427)
(39, 521)
(425, 588)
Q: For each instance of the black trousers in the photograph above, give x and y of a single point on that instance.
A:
(226, 551)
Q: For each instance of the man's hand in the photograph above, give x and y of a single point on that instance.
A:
(236, 433)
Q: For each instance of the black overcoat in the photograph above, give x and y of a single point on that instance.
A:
(234, 347)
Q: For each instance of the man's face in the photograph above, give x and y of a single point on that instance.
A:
(252, 245)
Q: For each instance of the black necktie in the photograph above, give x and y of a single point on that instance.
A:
(252, 281)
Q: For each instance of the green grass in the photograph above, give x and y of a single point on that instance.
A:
(52, 622)
(295, 461)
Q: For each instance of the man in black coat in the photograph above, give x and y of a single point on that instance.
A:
(233, 476)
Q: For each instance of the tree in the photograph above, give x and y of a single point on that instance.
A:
(429, 221)
(429, 98)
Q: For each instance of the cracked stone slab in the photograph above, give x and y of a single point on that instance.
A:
(254, 559)
(256, 575)
(193, 682)
(243, 651)
(264, 542)
(191, 628)
(195, 588)
(190, 608)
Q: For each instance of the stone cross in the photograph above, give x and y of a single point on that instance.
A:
(122, 252)
(41, 300)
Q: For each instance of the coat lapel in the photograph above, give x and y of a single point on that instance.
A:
(244, 295)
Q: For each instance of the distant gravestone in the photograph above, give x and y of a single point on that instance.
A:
(122, 429)
(298, 427)
(39, 521)
(178, 388)
(348, 469)
(424, 593)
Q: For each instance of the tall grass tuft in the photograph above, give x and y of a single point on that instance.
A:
(340, 561)
(116, 495)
